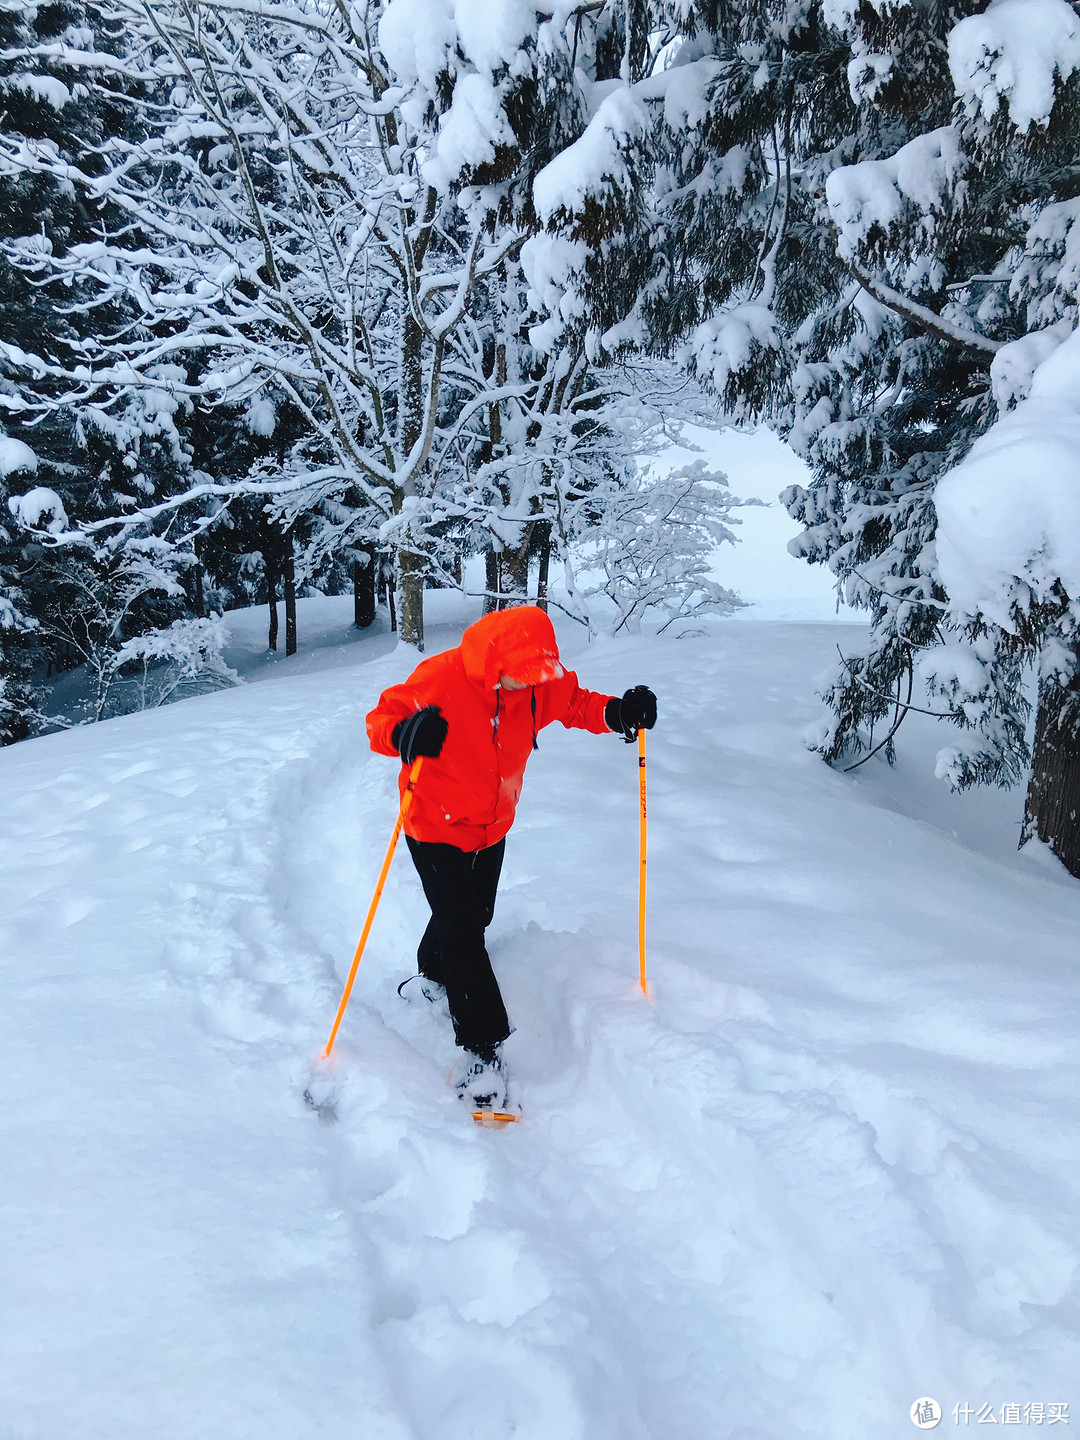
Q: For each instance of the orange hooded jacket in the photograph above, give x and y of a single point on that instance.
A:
(468, 795)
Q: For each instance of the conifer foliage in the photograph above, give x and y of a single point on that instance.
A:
(854, 220)
(70, 601)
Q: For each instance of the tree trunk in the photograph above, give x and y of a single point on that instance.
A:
(290, 597)
(386, 589)
(1052, 808)
(271, 598)
(411, 569)
(516, 565)
(364, 587)
(491, 581)
(411, 566)
(545, 565)
(199, 596)
(493, 560)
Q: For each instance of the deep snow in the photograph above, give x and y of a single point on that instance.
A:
(832, 1169)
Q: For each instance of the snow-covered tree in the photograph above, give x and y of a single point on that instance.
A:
(959, 238)
(65, 460)
(852, 220)
(298, 255)
(19, 637)
(506, 93)
(333, 205)
(105, 604)
(654, 548)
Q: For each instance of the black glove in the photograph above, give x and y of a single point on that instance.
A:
(422, 733)
(635, 711)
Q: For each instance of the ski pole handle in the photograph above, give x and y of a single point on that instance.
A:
(403, 810)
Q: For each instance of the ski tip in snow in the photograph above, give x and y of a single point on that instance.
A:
(495, 1119)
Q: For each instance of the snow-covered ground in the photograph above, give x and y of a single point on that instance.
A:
(833, 1168)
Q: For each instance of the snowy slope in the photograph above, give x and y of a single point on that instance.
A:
(832, 1169)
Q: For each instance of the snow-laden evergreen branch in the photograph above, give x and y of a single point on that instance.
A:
(922, 317)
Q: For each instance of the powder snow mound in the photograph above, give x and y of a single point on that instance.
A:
(834, 1167)
(16, 456)
(1009, 513)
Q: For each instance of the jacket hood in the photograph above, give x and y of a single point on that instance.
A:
(519, 642)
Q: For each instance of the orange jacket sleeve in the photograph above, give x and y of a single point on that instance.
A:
(565, 700)
(420, 689)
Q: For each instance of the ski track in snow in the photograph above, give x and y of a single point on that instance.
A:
(831, 1169)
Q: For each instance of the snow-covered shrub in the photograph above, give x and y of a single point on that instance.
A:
(655, 547)
(184, 658)
(101, 604)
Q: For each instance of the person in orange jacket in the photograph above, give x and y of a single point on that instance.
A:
(474, 712)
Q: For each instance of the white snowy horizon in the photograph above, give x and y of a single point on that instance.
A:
(774, 584)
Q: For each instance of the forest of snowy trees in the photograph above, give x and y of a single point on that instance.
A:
(343, 294)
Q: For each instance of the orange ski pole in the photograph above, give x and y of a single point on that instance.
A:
(644, 846)
(406, 801)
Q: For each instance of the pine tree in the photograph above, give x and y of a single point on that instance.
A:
(81, 603)
(841, 216)
(957, 236)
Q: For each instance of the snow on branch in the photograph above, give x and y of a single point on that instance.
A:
(1015, 52)
(871, 195)
(598, 163)
(921, 316)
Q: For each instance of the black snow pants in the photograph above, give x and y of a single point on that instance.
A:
(460, 887)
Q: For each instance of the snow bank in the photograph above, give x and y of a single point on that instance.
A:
(834, 1167)
(1009, 514)
(1015, 51)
